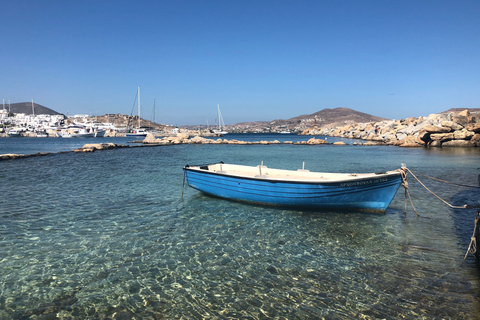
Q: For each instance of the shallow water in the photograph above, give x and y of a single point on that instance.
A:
(106, 235)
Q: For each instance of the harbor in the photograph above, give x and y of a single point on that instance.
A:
(226, 160)
(108, 235)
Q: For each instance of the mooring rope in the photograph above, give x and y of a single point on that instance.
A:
(403, 172)
(183, 187)
(472, 247)
(457, 184)
(466, 206)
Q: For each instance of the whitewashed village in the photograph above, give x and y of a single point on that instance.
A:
(42, 122)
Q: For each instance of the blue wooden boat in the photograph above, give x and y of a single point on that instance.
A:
(371, 192)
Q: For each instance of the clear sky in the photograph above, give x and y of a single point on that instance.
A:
(259, 60)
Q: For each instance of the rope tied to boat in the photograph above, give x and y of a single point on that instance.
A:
(404, 172)
(472, 247)
(440, 180)
(184, 177)
(465, 206)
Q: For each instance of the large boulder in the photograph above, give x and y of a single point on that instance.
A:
(461, 118)
(410, 142)
(442, 136)
(183, 136)
(458, 143)
(463, 135)
(437, 129)
(316, 141)
(150, 138)
(452, 125)
(476, 139)
(91, 147)
(200, 140)
(475, 127)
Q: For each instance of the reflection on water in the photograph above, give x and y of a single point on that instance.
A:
(106, 236)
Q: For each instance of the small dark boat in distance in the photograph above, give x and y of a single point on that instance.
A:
(301, 188)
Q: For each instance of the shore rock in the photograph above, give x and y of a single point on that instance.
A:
(150, 138)
(410, 142)
(13, 156)
(9, 156)
(316, 141)
(475, 127)
(436, 129)
(91, 147)
(432, 131)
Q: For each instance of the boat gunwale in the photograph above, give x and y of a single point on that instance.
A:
(196, 168)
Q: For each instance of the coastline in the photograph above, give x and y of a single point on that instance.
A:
(454, 129)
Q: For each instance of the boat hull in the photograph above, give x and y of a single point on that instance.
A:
(138, 135)
(77, 135)
(372, 194)
(100, 134)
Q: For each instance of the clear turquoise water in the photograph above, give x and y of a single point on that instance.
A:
(106, 235)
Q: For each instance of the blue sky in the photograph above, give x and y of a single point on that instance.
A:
(259, 60)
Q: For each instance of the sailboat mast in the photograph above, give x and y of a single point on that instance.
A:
(219, 125)
(33, 109)
(138, 107)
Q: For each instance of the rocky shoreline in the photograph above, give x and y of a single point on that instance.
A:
(455, 129)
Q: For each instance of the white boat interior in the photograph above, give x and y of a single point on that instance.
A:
(262, 171)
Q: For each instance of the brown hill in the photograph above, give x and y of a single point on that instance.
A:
(473, 110)
(337, 115)
(26, 107)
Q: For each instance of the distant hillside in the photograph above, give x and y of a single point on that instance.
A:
(324, 117)
(337, 115)
(253, 124)
(26, 107)
(474, 110)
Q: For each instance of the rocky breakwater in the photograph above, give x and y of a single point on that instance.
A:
(151, 141)
(454, 129)
(13, 156)
(184, 138)
(91, 147)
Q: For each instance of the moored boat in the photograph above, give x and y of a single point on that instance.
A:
(303, 189)
(15, 132)
(41, 134)
(100, 133)
(137, 132)
(221, 124)
(76, 131)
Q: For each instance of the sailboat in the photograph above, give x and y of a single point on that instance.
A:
(221, 124)
(138, 132)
